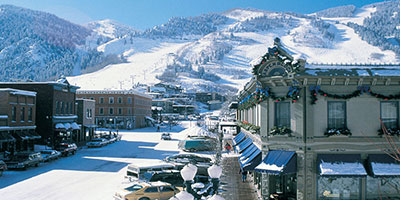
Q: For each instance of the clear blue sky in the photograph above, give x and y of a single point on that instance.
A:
(142, 14)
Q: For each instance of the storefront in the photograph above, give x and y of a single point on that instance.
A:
(280, 169)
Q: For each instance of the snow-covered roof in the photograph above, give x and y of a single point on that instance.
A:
(351, 69)
(135, 92)
(342, 168)
(341, 165)
(18, 92)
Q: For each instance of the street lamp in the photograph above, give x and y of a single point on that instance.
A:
(189, 172)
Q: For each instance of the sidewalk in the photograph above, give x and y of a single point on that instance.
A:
(231, 181)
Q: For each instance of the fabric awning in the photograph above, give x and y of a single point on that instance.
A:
(24, 135)
(6, 137)
(246, 153)
(33, 135)
(75, 126)
(67, 125)
(340, 165)
(383, 165)
(239, 138)
(253, 161)
(243, 145)
(250, 158)
(278, 162)
(60, 126)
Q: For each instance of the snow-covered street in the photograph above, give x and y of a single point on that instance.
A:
(94, 173)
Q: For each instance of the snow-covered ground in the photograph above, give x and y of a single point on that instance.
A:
(92, 173)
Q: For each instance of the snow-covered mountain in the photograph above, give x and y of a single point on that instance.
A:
(212, 52)
(40, 46)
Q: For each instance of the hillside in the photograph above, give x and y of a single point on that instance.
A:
(217, 57)
(40, 46)
(211, 52)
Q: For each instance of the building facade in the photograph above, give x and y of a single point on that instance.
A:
(86, 118)
(319, 128)
(17, 121)
(122, 109)
(55, 109)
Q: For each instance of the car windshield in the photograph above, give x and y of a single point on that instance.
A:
(97, 140)
(45, 152)
(134, 188)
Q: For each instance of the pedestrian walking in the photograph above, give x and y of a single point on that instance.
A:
(228, 147)
(244, 175)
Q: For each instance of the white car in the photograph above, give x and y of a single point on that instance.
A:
(50, 154)
(97, 142)
(166, 136)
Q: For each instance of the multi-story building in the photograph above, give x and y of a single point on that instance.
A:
(86, 118)
(55, 109)
(124, 109)
(319, 128)
(17, 120)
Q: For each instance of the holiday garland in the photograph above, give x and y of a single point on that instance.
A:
(280, 131)
(261, 95)
(315, 90)
(337, 131)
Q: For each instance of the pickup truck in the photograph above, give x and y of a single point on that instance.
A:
(67, 148)
(24, 160)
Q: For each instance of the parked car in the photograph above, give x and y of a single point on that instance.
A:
(50, 154)
(97, 142)
(147, 191)
(109, 138)
(24, 160)
(3, 167)
(166, 136)
(198, 144)
(187, 158)
(67, 148)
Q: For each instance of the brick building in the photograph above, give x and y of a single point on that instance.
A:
(17, 120)
(123, 109)
(86, 118)
(55, 109)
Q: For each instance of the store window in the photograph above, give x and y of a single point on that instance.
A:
(390, 114)
(383, 188)
(335, 188)
(336, 114)
(282, 114)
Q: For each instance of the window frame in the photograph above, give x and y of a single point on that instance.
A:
(22, 114)
(30, 114)
(345, 114)
(111, 100)
(111, 111)
(101, 111)
(397, 112)
(13, 114)
(276, 114)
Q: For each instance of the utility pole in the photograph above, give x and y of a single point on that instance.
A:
(133, 79)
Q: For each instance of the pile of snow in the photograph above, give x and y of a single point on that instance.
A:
(198, 131)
